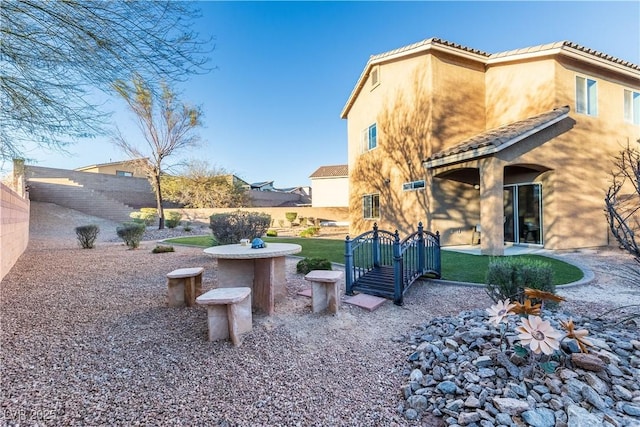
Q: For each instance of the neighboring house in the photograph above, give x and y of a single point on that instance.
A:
(264, 194)
(330, 186)
(519, 142)
(121, 168)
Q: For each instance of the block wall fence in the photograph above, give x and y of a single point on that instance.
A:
(14, 227)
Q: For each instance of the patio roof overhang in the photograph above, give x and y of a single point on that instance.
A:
(495, 140)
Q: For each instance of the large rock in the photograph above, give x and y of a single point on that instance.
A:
(580, 417)
(588, 362)
(511, 406)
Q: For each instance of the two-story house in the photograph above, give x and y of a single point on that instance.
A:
(521, 142)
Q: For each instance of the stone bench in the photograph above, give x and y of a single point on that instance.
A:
(228, 313)
(184, 285)
(325, 290)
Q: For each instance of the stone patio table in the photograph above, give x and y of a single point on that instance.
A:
(262, 270)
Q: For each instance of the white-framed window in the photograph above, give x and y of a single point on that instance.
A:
(370, 138)
(586, 96)
(375, 77)
(413, 185)
(371, 206)
(124, 173)
(632, 106)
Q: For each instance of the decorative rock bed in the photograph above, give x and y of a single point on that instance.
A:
(458, 372)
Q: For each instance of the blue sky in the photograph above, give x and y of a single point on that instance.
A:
(285, 70)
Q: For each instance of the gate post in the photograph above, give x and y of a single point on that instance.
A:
(397, 270)
(348, 265)
(375, 243)
(437, 255)
(422, 265)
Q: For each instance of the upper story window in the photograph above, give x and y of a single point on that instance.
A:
(375, 77)
(371, 206)
(370, 138)
(586, 96)
(632, 107)
(414, 185)
(124, 173)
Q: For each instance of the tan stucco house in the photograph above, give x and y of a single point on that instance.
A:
(520, 143)
(330, 186)
(120, 168)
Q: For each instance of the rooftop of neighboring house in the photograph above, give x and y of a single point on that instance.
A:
(332, 171)
(102, 165)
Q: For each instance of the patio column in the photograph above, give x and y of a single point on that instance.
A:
(491, 206)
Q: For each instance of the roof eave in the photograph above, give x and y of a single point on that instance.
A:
(570, 52)
(488, 150)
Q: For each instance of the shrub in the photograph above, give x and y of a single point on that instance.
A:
(187, 226)
(306, 265)
(87, 235)
(131, 233)
(508, 276)
(160, 249)
(173, 219)
(310, 232)
(291, 216)
(272, 233)
(145, 216)
(229, 228)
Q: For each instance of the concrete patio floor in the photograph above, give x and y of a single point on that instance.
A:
(508, 250)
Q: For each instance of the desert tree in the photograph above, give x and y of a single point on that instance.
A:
(622, 201)
(58, 56)
(200, 185)
(167, 126)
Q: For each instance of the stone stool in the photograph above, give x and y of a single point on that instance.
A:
(325, 292)
(228, 313)
(185, 284)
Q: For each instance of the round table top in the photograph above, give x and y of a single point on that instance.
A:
(237, 251)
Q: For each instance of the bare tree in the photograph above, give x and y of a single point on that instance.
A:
(203, 186)
(623, 201)
(166, 131)
(55, 54)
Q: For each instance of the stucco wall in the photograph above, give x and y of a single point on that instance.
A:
(14, 228)
(330, 192)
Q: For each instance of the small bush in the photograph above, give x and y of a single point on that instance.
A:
(272, 233)
(310, 232)
(291, 216)
(304, 266)
(87, 235)
(145, 216)
(187, 226)
(172, 219)
(161, 249)
(131, 233)
(508, 276)
(229, 228)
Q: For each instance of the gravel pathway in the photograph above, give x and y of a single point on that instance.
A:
(87, 339)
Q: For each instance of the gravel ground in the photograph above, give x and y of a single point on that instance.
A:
(87, 339)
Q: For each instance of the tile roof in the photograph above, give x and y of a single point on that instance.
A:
(560, 45)
(496, 139)
(331, 171)
(431, 41)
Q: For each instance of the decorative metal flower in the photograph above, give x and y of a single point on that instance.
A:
(526, 308)
(542, 295)
(499, 311)
(538, 334)
(578, 335)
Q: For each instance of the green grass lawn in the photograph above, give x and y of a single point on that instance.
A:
(455, 266)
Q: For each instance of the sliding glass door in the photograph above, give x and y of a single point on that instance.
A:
(523, 214)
